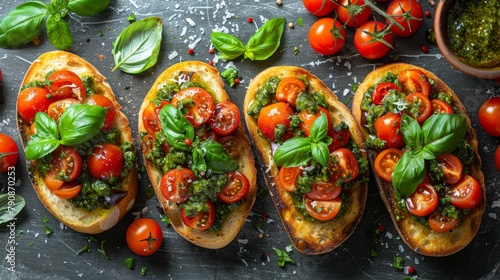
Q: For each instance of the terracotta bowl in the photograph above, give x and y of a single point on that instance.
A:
(440, 27)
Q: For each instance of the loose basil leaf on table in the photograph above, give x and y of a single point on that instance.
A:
(443, 132)
(229, 46)
(266, 40)
(10, 208)
(22, 24)
(137, 47)
(408, 173)
(59, 32)
(87, 7)
(80, 123)
(175, 126)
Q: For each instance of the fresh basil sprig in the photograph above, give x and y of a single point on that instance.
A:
(300, 150)
(260, 46)
(440, 134)
(78, 123)
(137, 47)
(57, 29)
(176, 127)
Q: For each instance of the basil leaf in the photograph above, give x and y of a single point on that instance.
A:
(319, 129)
(199, 163)
(229, 46)
(137, 47)
(412, 133)
(39, 147)
(10, 208)
(58, 6)
(46, 127)
(266, 40)
(426, 154)
(320, 153)
(175, 126)
(80, 123)
(293, 152)
(216, 157)
(443, 132)
(408, 173)
(59, 32)
(22, 24)
(87, 7)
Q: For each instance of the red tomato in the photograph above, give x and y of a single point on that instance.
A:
(327, 36)
(320, 7)
(199, 104)
(489, 116)
(66, 84)
(31, 101)
(201, 221)
(206, 132)
(56, 109)
(413, 80)
(381, 90)
(423, 102)
(9, 152)
(232, 144)
(370, 40)
(353, 12)
(343, 166)
(423, 201)
(105, 162)
(68, 190)
(288, 177)
(273, 115)
(340, 137)
(103, 101)
(324, 191)
(236, 189)
(174, 184)
(466, 193)
(308, 120)
(52, 182)
(386, 161)
(387, 128)
(441, 107)
(408, 13)
(440, 223)
(451, 166)
(150, 118)
(66, 164)
(144, 236)
(225, 119)
(288, 90)
(323, 210)
(497, 158)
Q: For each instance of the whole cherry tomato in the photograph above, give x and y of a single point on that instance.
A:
(408, 13)
(31, 101)
(327, 36)
(372, 40)
(273, 115)
(144, 236)
(388, 128)
(105, 162)
(320, 7)
(353, 12)
(489, 116)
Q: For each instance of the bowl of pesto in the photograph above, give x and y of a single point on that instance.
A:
(468, 35)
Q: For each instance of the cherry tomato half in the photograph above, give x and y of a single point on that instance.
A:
(9, 152)
(451, 166)
(68, 190)
(150, 118)
(103, 101)
(319, 7)
(66, 164)
(424, 104)
(144, 236)
(343, 166)
(323, 210)
(105, 162)
(441, 107)
(236, 189)
(31, 101)
(272, 115)
(308, 119)
(327, 36)
(66, 84)
(288, 177)
(199, 104)
(225, 119)
(466, 193)
(341, 135)
(370, 43)
(201, 221)
(324, 191)
(381, 90)
(414, 80)
(489, 116)
(353, 12)
(232, 144)
(423, 201)
(385, 162)
(56, 109)
(288, 89)
(408, 13)
(440, 223)
(387, 128)
(174, 184)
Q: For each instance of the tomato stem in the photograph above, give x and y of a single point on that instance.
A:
(384, 14)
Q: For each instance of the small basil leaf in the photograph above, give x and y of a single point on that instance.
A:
(408, 173)
(39, 147)
(58, 6)
(199, 163)
(175, 126)
(87, 7)
(412, 133)
(137, 47)
(229, 46)
(46, 127)
(9, 208)
(443, 132)
(59, 32)
(22, 24)
(294, 152)
(319, 129)
(320, 153)
(266, 40)
(80, 123)
(217, 158)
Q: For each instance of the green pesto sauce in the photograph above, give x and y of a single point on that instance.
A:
(474, 31)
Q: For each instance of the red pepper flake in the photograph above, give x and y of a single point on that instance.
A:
(411, 270)
(265, 216)
(101, 57)
(427, 13)
(211, 63)
(425, 49)
(236, 81)
(191, 51)
(250, 19)
(381, 228)
(211, 51)
(188, 142)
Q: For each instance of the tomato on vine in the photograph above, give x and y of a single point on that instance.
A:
(373, 40)
(408, 13)
(320, 7)
(327, 36)
(353, 12)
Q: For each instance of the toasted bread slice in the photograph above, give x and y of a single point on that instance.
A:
(81, 220)
(417, 236)
(234, 221)
(308, 237)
